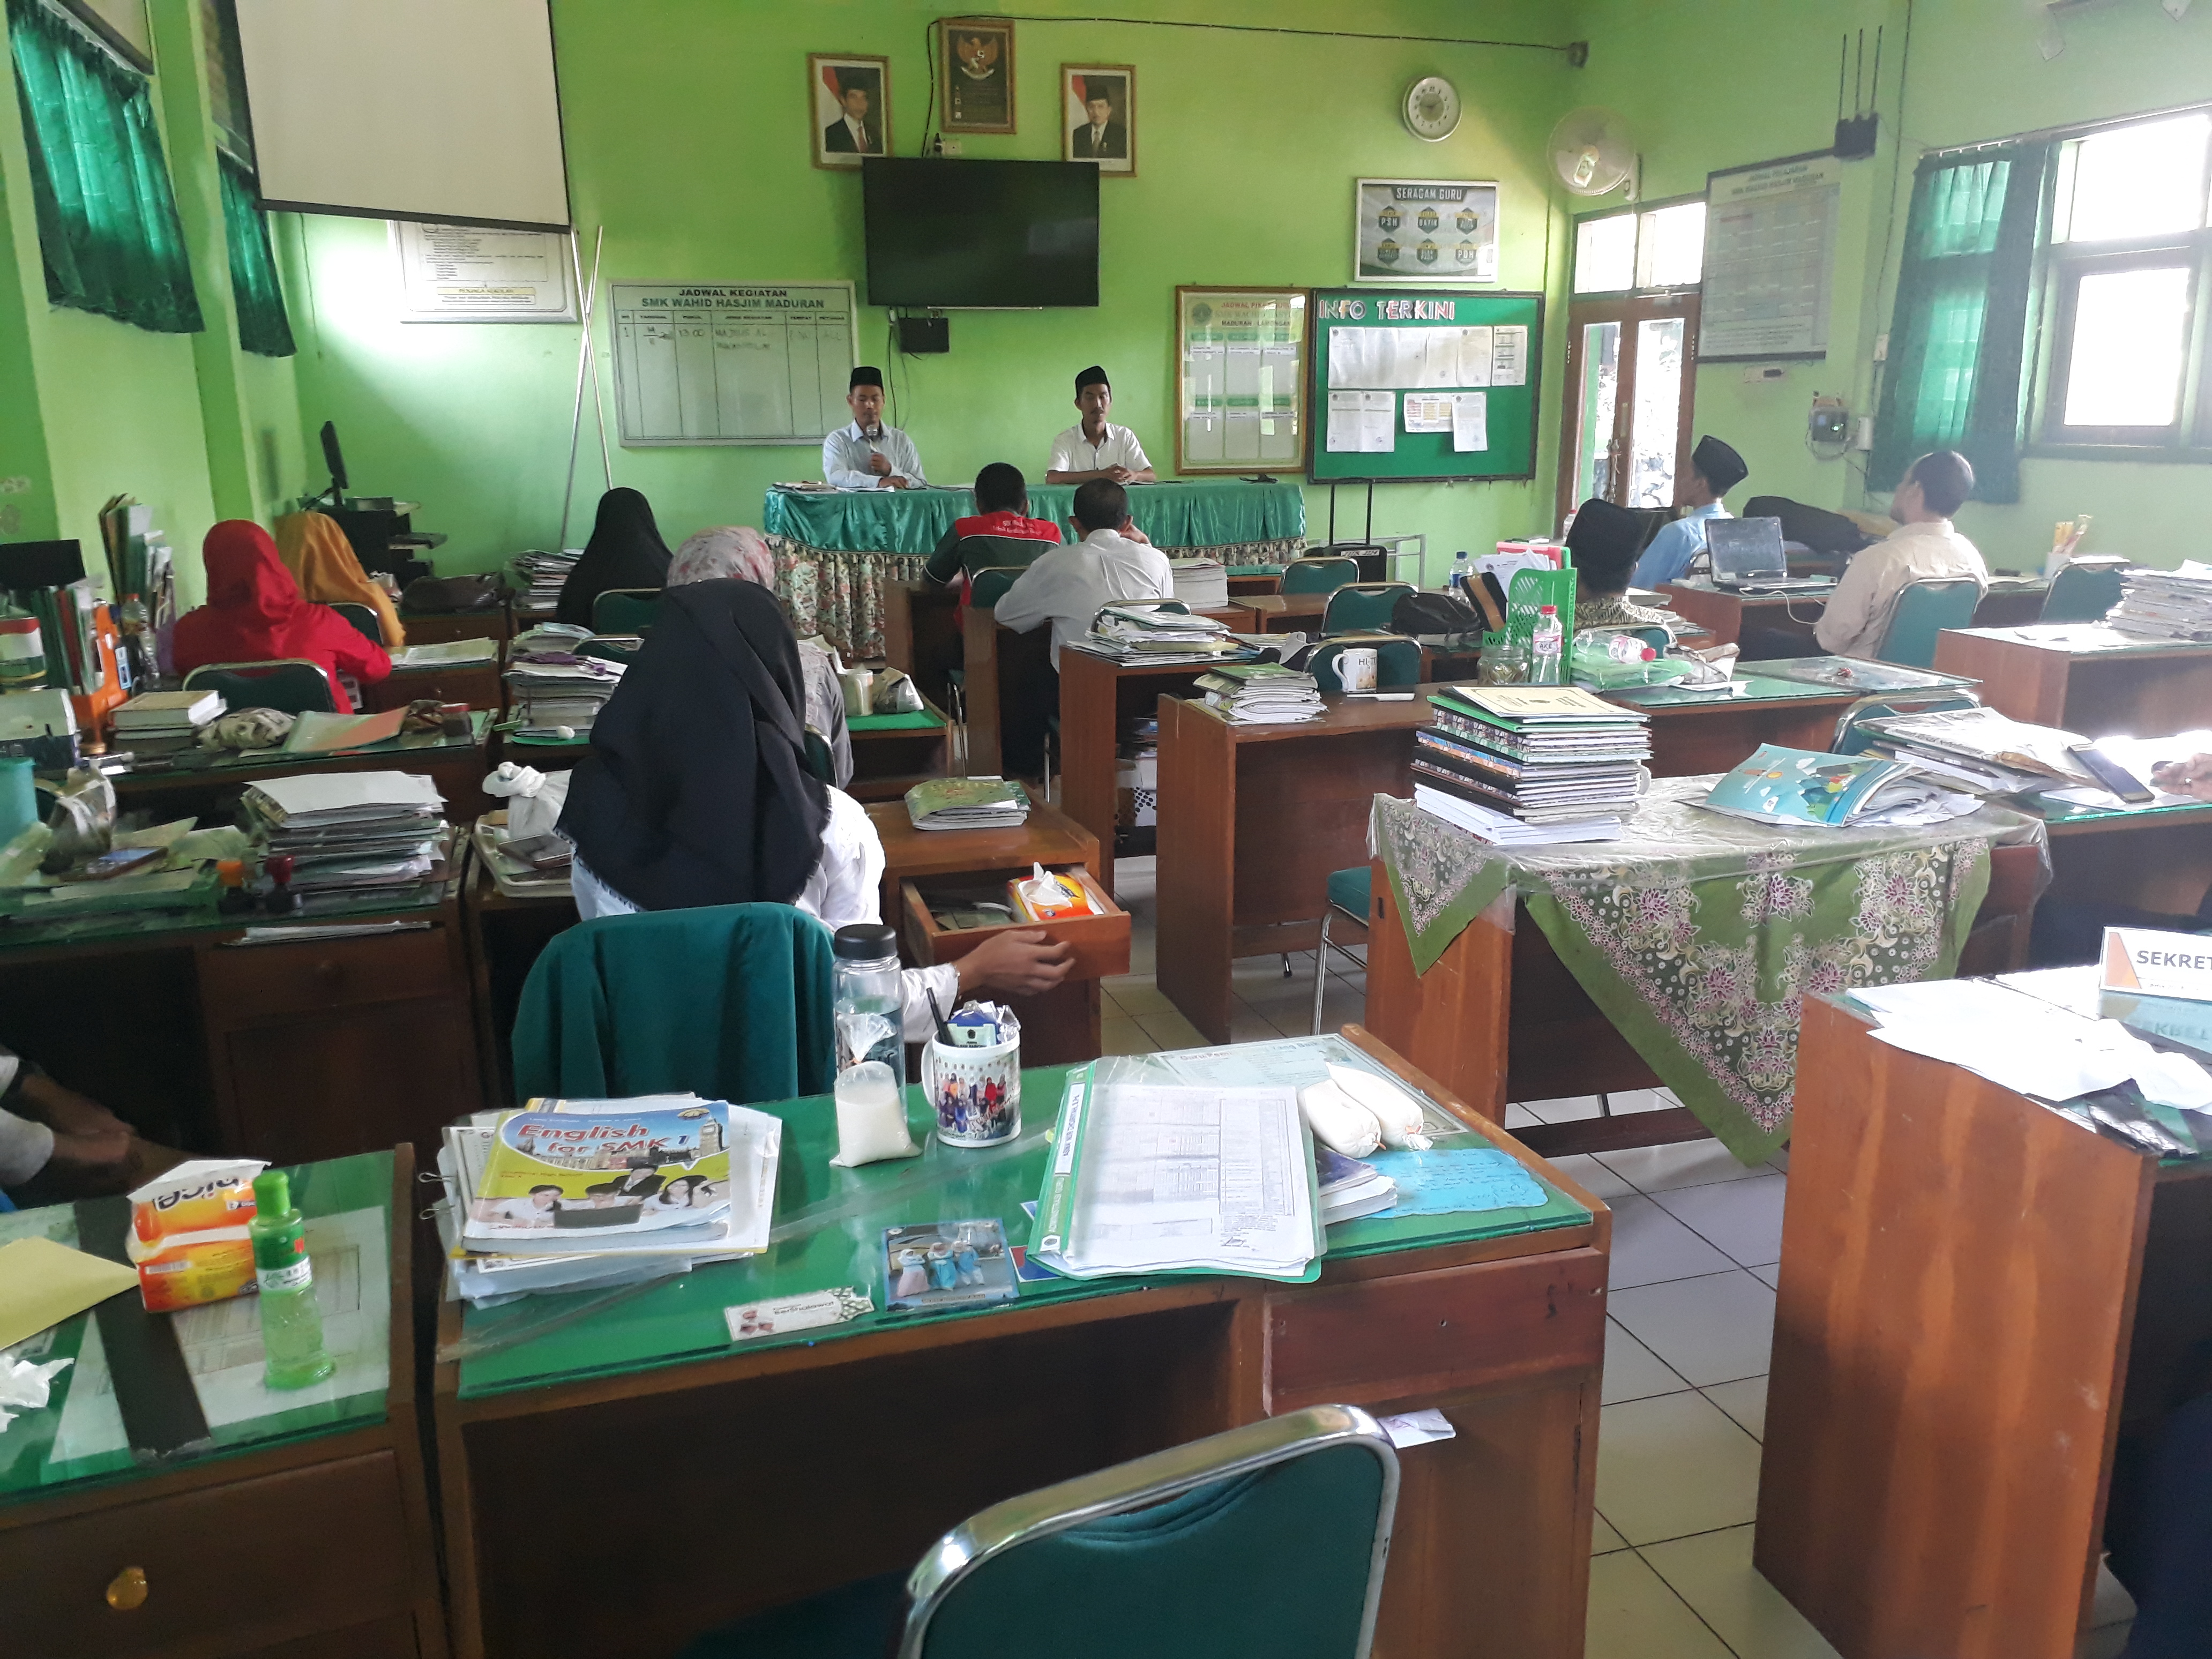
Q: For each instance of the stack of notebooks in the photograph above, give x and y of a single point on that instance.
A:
(446, 654)
(1263, 694)
(1981, 750)
(541, 575)
(554, 689)
(2166, 604)
(574, 1195)
(1201, 584)
(1529, 764)
(967, 804)
(1348, 1189)
(1144, 633)
(353, 838)
(165, 722)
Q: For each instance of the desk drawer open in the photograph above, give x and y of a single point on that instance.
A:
(1101, 942)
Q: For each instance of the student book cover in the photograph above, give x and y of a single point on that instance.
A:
(1797, 786)
(605, 1170)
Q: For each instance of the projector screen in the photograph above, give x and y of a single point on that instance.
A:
(407, 109)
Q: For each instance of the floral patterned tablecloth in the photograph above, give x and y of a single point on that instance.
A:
(1698, 935)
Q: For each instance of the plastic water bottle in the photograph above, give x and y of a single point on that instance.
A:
(870, 1024)
(1546, 641)
(1462, 571)
(291, 1319)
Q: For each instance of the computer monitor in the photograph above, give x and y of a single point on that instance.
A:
(1745, 550)
(335, 461)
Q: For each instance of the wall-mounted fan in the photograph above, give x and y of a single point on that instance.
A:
(1591, 151)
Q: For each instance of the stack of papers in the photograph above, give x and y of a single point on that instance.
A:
(1348, 1189)
(1201, 584)
(448, 653)
(1980, 750)
(1536, 755)
(967, 804)
(1486, 823)
(1263, 694)
(165, 722)
(1799, 786)
(2166, 604)
(566, 1195)
(541, 576)
(1145, 633)
(556, 692)
(353, 836)
(1146, 1179)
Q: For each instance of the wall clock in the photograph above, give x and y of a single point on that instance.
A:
(1430, 108)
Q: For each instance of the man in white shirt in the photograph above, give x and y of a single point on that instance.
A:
(1922, 548)
(1092, 448)
(867, 455)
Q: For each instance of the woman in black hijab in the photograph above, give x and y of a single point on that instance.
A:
(696, 792)
(625, 551)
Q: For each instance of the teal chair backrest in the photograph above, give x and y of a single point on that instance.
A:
(363, 619)
(1924, 611)
(987, 587)
(1319, 575)
(291, 685)
(1851, 736)
(625, 610)
(1363, 607)
(1269, 1539)
(1397, 663)
(2082, 593)
(730, 1001)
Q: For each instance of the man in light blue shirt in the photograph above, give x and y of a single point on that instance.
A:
(1715, 469)
(867, 455)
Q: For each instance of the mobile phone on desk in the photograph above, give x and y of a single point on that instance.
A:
(547, 851)
(2114, 776)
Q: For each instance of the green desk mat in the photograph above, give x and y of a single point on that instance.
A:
(920, 719)
(681, 1319)
(1758, 689)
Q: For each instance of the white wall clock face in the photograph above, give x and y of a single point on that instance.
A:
(1432, 108)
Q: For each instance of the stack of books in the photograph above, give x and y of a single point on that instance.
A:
(1263, 694)
(165, 722)
(556, 693)
(967, 804)
(1144, 633)
(1348, 1189)
(1981, 750)
(1543, 757)
(569, 1195)
(541, 575)
(1201, 584)
(353, 837)
(2166, 604)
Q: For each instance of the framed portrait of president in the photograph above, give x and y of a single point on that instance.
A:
(850, 98)
(1098, 117)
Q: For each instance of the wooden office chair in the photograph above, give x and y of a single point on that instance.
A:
(291, 685)
(1318, 575)
(625, 610)
(363, 617)
(2082, 593)
(1397, 661)
(1363, 607)
(1277, 1531)
(1924, 611)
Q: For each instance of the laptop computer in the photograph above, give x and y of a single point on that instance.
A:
(1747, 553)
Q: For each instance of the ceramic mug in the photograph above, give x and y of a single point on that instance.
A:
(858, 686)
(1355, 667)
(977, 1093)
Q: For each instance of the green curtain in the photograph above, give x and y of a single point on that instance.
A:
(107, 212)
(1958, 337)
(263, 327)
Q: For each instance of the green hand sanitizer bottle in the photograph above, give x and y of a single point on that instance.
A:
(291, 1320)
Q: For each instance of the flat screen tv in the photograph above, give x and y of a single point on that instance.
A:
(980, 235)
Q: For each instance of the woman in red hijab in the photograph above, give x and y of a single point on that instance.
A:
(254, 613)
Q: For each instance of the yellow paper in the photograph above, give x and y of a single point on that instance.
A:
(43, 1283)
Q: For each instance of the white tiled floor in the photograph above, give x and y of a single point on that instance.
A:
(1696, 1238)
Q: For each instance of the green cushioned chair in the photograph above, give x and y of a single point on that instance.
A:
(1851, 738)
(1363, 607)
(1924, 611)
(1348, 897)
(2082, 593)
(1319, 575)
(363, 617)
(1276, 1532)
(1397, 661)
(291, 685)
(625, 610)
(987, 587)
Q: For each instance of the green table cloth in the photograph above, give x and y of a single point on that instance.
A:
(1698, 935)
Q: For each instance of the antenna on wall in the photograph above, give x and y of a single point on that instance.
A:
(1855, 133)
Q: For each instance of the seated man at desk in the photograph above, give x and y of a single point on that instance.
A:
(867, 455)
(1094, 448)
(1603, 538)
(55, 1144)
(1067, 586)
(1715, 469)
(1001, 534)
(1922, 548)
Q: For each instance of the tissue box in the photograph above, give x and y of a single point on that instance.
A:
(188, 1235)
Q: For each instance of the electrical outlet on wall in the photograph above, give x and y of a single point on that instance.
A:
(943, 146)
(1759, 374)
(1882, 347)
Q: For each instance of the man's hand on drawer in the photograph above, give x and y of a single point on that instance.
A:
(1020, 964)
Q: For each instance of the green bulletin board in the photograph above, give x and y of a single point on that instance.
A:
(1424, 387)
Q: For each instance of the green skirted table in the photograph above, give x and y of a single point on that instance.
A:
(835, 551)
(774, 1468)
(1680, 952)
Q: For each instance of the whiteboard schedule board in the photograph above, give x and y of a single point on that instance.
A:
(468, 274)
(1240, 379)
(1769, 259)
(731, 362)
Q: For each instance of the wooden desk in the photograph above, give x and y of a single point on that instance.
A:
(1504, 1333)
(438, 627)
(1095, 695)
(203, 788)
(921, 636)
(298, 1531)
(1246, 586)
(1282, 613)
(505, 937)
(1781, 624)
(887, 761)
(1981, 1301)
(1693, 734)
(2083, 678)
(477, 684)
(2147, 858)
(1005, 670)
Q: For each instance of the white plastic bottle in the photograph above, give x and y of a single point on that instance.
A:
(1545, 642)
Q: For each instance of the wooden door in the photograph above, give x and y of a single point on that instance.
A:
(1632, 388)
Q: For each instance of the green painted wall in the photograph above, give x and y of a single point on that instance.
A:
(1736, 81)
(687, 133)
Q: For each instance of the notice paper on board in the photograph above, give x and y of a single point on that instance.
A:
(1470, 421)
(1361, 422)
(1428, 411)
(1509, 359)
